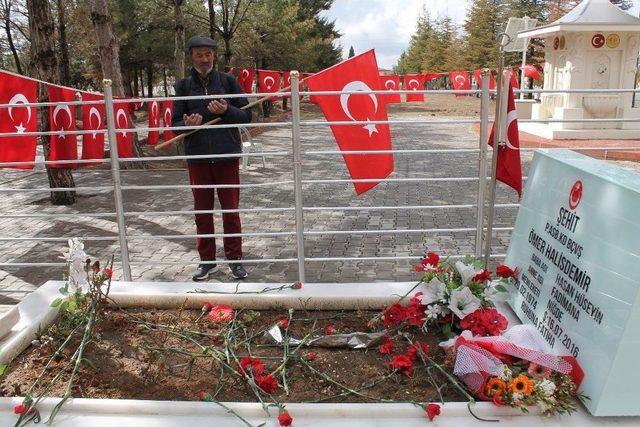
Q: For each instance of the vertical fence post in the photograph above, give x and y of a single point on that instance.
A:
(115, 171)
(482, 162)
(297, 171)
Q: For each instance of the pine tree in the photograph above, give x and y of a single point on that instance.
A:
(352, 52)
(412, 58)
(484, 22)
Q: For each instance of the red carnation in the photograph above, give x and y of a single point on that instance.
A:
(505, 272)
(330, 330)
(386, 347)
(284, 323)
(267, 383)
(285, 419)
(297, 285)
(433, 410)
(21, 409)
(221, 313)
(108, 272)
(432, 259)
(493, 321)
(207, 306)
(414, 314)
(252, 365)
(394, 315)
(203, 395)
(474, 322)
(311, 356)
(482, 276)
(412, 351)
(403, 364)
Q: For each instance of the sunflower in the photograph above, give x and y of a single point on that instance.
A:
(495, 387)
(521, 384)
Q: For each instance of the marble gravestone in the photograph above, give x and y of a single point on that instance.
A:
(576, 243)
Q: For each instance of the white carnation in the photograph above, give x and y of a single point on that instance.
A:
(547, 387)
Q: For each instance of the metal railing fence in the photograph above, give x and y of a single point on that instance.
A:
(295, 184)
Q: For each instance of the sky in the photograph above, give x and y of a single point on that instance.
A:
(387, 25)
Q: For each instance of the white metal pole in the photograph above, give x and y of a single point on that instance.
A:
(482, 161)
(297, 171)
(115, 171)
(524, 62)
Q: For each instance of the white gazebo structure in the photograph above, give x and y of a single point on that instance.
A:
(595, 46)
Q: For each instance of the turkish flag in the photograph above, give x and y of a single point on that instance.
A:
(532, 72)
(509, 169)
(269, 82)
(460, 80)
(477, 74)
(358, 73)
(390, 82)
(245, 78)
(62, 117)
(286, 82)
(121, 111)
(167, 113)
(16, 90)
(154, 122)
(513, 81)
(414, 82)
(93, 118)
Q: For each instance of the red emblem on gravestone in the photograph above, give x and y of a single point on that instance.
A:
(597, 40)
(576, 195)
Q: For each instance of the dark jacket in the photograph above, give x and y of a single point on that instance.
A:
(210, 141)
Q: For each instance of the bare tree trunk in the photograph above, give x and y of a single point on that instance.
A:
(107, 44)
(141, 83)
(212, 20)
(65, 75)
(150, 79)
(164, 81)
(227, 52)
(135, 80)
(109, 51)
(179, 39)
(45, 65)
(6, 8)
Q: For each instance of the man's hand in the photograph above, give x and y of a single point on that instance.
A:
(217, 106)
(194, 119)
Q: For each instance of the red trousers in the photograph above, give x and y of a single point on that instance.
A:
(219, 172)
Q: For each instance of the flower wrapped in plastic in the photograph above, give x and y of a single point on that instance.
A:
(517, 369)
(453, 291)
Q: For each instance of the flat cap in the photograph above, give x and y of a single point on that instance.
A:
(199, 41)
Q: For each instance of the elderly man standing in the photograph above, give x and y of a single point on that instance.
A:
(204, 80)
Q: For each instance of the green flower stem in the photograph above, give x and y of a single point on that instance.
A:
(346, 393)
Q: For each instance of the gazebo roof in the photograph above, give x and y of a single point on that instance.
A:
(590, 15)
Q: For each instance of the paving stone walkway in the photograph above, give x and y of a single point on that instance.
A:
(15, 282)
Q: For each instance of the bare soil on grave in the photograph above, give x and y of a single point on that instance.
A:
(123, 366)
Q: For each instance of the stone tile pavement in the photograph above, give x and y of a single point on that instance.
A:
(15, 282)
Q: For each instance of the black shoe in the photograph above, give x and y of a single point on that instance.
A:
(238, 271)
(203, 272)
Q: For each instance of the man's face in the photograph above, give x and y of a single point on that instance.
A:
(202, 59)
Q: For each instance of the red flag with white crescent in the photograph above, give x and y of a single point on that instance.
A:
(509, 168)
(358, 73)
(532, 72)
(62, 117)
(477, 75)
(414, 82)
(16, 90)
(121, 111)
(513, 81)
(167, 112)
(154, 122)
(245, 79)
(269, 82)
(390, 82)
(460, 80)
(286, 82)
(93, 118)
